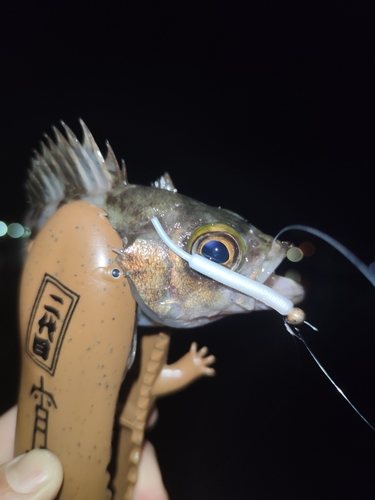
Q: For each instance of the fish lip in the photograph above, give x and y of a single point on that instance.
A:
(273, 260)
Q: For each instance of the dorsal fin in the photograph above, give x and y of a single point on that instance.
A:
(164, 182)
(66, 169)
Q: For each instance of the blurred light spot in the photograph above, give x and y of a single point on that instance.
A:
(15, 230)
(3, 228)
(307, 248)
(27, 232)
(294, 275)
(372, 268)
(294, 254)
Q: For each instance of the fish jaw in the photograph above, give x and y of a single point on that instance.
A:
(286, 287)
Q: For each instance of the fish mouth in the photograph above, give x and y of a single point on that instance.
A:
(274, 257)
(286, 287)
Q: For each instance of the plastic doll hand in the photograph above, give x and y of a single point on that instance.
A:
(200, 362)
(193, 365)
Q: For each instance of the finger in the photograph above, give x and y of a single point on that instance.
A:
(209, 372)
(7, 434)
(203, 351)
(210, 360)
(149, 484)
(151, 419)
(37, 475)
(193, 347)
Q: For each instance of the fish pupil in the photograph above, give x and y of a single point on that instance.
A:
(216, 251)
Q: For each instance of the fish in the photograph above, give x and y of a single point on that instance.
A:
(167, 291)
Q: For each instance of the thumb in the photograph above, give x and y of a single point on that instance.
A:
(37, 475)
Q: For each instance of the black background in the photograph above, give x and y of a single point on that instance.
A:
(265, 108)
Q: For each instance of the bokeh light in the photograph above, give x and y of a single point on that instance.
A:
(16, 230)
(294, 254)
(307, 248)
(3, 228)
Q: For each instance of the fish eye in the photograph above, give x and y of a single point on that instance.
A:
(216, 251)
(218, 242)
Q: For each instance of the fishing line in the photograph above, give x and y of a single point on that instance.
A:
(362, 267)
(296, 333)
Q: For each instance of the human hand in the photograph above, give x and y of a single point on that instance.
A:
(38, 474)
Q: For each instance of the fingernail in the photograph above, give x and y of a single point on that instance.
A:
(30, 472)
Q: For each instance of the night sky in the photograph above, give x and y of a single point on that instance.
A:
(264, 108)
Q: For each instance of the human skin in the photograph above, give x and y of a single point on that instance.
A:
(38, 474)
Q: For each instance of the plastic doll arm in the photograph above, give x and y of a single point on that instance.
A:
(193, 365)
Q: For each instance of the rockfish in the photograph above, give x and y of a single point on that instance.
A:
(166, 289)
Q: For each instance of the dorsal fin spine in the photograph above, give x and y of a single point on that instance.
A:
(67, 169)
(124, 173)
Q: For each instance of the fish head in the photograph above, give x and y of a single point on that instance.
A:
(167, 290)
